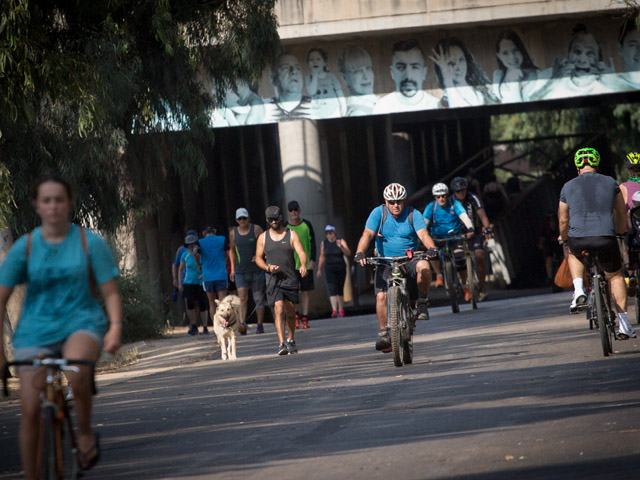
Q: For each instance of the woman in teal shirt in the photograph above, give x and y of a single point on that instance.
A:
(60, 315)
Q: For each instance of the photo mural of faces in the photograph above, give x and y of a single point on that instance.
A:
(430, 71)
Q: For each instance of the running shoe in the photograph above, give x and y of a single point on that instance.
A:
(291, 346)
(467, 293)
(421, 307)
(242, 328)
(297, 321)
(305, 323)
(193, 330)
(625, 331)
(341, 313)
(334, 314)
(439, 281)
(205, 331)
(384, 341)
(260, 328)
(482, 294)
(579, 300)
(283, 350)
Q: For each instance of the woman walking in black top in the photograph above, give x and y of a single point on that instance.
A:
(332, 251)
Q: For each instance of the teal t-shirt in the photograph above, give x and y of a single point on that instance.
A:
(192, 275)
(59, 299)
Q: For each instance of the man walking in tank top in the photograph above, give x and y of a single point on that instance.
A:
(244, 271)
(275, 255)
(305, 232)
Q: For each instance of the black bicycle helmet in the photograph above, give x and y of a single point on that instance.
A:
(458, 184)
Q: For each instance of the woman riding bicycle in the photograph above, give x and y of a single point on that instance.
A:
(60, 317)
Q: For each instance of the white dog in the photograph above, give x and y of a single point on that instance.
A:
(225, 325)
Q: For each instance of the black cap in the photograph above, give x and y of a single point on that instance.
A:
(293, 205)
(272, 212)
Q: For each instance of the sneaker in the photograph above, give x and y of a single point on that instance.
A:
(260, 328)
(242, 329)
(467, 293)
(341, 313)
(291, 345)
(384, 341)
(297, 321)
(439, 281)
(334, 314)
(421, 307)
(305, 323)
(482, 294)
(579, 300)
(625, 331)
(632, 287)
(283, 350)
(193, 330)
(205, 331)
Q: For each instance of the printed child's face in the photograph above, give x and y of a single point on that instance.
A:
(316, 62)
(630, 51)
(510, 55)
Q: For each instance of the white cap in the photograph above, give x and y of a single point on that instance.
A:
(242, 212)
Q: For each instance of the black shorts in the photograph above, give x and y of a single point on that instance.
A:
(384, 271)
(194, 294)
(306, 283)
(334, 278)
(278, 290)
(476, 242)
(607, 248)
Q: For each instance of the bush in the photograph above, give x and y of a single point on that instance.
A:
(142, 318)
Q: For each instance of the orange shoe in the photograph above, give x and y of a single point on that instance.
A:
(305, 323)
(467, 293)
(439, 281)
(297, 321)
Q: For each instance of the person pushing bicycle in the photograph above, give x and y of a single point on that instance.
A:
(591, 212)
(396, 230)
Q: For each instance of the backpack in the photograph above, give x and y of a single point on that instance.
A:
(634, 233)
(92, 279)
(385, 211)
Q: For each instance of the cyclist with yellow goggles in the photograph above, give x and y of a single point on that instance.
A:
(628, 190)
(590, 214)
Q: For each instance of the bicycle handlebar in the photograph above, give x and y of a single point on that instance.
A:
(400, 259)
(58, 363)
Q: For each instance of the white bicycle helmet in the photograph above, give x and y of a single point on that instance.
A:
(394, 191)
(440, 189)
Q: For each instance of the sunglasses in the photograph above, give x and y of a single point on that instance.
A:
(241, 218)
(439, 196)
(294, 209)
(395, 202)
(272, 219)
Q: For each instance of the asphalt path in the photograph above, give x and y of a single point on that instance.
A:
(514, 390)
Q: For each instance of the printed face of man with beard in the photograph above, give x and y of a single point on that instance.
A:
(630, 51)
(408, 71)
(584, 56)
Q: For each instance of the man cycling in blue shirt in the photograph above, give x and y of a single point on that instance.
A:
(396, 230)
(444, 218)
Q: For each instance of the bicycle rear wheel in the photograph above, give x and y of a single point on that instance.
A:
(472, 282)
(601, 315)
(449, 273)
(395, 324)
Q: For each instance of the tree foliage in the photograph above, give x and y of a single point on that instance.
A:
(90, 89)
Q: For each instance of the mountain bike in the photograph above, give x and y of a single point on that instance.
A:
(600, 311)
(450, 275)
(57, 449)
(401, 318)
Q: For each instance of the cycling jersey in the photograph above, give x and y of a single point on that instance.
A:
(396, 235)
(472, 204)
(441, 220)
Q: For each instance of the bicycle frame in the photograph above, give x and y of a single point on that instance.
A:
(450, 274)
(600, 310)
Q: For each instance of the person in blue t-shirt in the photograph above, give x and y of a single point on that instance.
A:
(175, 268)
(395, 233)
(61, 263)
(190, 278)
(213, 252)
(444, 218)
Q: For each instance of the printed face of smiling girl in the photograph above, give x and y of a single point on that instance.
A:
(509, 54)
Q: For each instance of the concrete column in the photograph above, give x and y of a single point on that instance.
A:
(301, 163)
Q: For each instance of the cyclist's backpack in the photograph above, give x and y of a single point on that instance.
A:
(92, 279)
(634, 233)
(385, 212)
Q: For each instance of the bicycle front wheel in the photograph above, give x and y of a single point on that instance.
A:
(48, 445)
(602, 318)
(472, 282)
(395, 324)
(449, 273)
(67, 447)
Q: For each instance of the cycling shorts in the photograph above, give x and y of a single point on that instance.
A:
(383, 272)
(607, 248)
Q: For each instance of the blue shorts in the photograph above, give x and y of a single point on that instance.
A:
(53, 350)
(215, 286)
